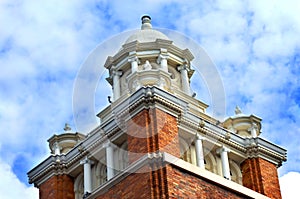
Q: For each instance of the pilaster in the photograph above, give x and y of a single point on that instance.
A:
(57, 187)
(261, 176)
(152, 130)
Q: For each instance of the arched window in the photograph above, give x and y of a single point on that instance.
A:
(188, 154)
(78, 186)
(121, 157)
(235, 172)
(99, 173)
(210, 161)
(185, 150)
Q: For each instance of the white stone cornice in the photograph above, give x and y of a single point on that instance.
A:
(132, 54)
(148, 96)
(157, 47)
(258, 147)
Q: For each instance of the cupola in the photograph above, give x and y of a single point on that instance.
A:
(244, 125)
(63, 143)
(149, 58)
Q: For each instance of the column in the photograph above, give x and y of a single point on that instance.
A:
(133, 59)
(56, 148)
(199, 151)
(253, 130)
(225, 163)
(116, 83)
(110, 160)
(184, 78)
(87, 175)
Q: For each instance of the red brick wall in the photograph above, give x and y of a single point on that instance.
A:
(261, 176)
(143, 184)
(185, 185)
(152, 130)
(57, 187)
(167, 182)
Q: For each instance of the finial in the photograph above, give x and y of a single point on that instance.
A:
(146, 22)
(237, 110)
(67, 127)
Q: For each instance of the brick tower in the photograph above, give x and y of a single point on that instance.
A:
(155, 139)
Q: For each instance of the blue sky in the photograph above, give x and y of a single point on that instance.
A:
(255, 46)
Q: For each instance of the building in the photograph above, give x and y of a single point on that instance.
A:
(155, 139)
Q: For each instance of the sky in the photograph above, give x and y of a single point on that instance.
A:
(255, 46)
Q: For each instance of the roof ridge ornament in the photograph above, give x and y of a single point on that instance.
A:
(146, 22)
(67, 127)
(237, 110)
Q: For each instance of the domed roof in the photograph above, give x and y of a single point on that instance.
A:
(146, 34)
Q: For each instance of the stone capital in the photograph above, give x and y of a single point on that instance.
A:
(107, 144)
(133, 58)
(87, 161)
(253, 127)
(56, 146)
(199, 137)
(223, 149)
(183, 67)
(161, 57)
(117, 73)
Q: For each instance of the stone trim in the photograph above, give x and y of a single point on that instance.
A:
(152, 47)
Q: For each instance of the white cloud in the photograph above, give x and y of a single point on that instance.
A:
(289, 185)
(11, 187)
(253, 44)
(41, 49)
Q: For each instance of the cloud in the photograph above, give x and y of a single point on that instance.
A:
(289, 185)
(254, 45)
(41, 50)
(11, 187)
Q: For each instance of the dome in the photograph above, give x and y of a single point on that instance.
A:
(146, 34)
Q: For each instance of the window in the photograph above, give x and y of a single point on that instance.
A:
(99, 174)
(210, 161)
(235, 172)
(121, 157)
(78, 186)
